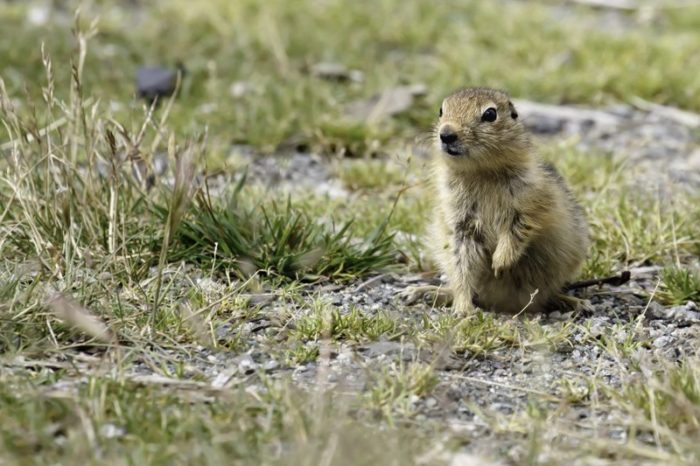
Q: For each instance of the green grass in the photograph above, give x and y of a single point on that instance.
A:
(272, 48)
(329, 323)
(94, 422)
(629, 226)
(179, 268)
(395, 388)
(277, 237)
(369, 174)
(477, 334)
(667, 403)
(679, 285)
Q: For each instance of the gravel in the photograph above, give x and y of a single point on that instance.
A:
(659, 150)
(505, 380)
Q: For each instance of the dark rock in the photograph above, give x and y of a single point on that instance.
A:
(156, 82)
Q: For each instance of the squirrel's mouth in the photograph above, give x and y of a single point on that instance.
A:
(452, 149)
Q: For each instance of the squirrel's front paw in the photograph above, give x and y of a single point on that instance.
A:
(503, 258)
(498, 270)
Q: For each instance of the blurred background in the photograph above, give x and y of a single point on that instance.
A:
(301, 73)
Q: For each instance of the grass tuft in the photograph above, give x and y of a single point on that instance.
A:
(277, 238)
(679, 285)
(668, 403)
(355, 325)
(477, 334)
(395, 388)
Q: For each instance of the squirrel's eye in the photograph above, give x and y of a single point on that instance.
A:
(489, 115)
(440, 110)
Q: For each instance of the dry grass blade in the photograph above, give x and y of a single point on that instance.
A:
(79, 317)
(179, 201)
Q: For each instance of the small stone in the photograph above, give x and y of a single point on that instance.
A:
(385, 104)
(239, 89)
(657, 310)
(271, 365)
(663, 341)
(684, 314)
(336, 72)
(468, 459)
(157, 82)
(111, 431)
(246, 365)
(223, 377)
(504, 408)
(38, 15)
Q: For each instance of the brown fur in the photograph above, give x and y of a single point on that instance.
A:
(505, 222)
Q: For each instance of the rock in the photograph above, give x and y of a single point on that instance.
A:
(564, 114)
(502, 407)
(245, 363)
(385, 104)
(336, 72)
(111, 431)
(223, 377)
(389, 348)
(39, 15)
(467, 459)
(685, 314)
(676, 115)
(663, 341)
(156, 82)
(694, 160)
(239, 89)
(270, 365)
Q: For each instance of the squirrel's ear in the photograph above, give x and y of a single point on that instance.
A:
(513, 112)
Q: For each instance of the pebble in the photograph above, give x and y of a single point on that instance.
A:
(663, 341)
(270, 365)
(111, 431)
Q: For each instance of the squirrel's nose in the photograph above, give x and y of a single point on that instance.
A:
(448, 136)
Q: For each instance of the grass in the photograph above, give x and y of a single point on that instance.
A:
(679, 285)
(130, 298)
(329, 323)
(668, 401)
(271, 49)
(94, 422)
(629, 225)
(368, 175)
(478, 334)
(397, 387)
(278, 237)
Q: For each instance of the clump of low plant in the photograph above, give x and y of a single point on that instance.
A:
(679, 285)
(355, 325)
(666, 403)
(477, 333)
(397, 386)
(277, 237)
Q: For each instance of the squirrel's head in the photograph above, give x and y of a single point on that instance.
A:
(479, 125)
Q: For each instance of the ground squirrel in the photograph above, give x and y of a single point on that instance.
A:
(506, 224)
